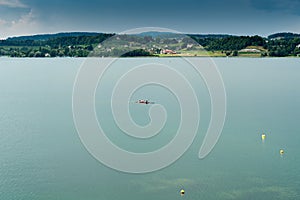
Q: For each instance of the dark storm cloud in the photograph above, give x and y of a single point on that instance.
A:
(286, 6)
(118, 14)
(196, 16)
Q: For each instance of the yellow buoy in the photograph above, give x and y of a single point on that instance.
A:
(182, 192)
(281, 151)
(263, 136)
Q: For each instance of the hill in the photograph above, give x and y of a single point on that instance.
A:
(51, 36)
(82, 44)
(284, 35)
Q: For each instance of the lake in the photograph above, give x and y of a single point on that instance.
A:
(42, 156)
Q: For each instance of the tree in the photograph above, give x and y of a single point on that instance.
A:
(227, 53)
(89, 48)
(235, 53)
(53, 53)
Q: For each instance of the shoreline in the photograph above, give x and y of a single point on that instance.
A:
(161, 57)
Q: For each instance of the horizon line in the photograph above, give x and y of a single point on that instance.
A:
(96, 32)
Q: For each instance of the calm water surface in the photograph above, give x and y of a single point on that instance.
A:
(41, 156)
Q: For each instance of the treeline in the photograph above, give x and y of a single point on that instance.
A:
(283, 35)
(73, 46)
(51, 36)
(57, 41)
(284, 47)
(82, 44)
(230, 43)
(279, 45)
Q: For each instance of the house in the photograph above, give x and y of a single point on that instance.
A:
(189, 46)
(167, 51)
(250, 50)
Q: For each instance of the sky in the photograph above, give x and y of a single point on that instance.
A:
(238, 17)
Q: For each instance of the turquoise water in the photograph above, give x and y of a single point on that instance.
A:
(41, 156)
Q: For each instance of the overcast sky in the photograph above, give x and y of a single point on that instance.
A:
(239, 17)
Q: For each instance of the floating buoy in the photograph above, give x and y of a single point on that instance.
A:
(182, 192)
(263, 136)
(281, 151)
